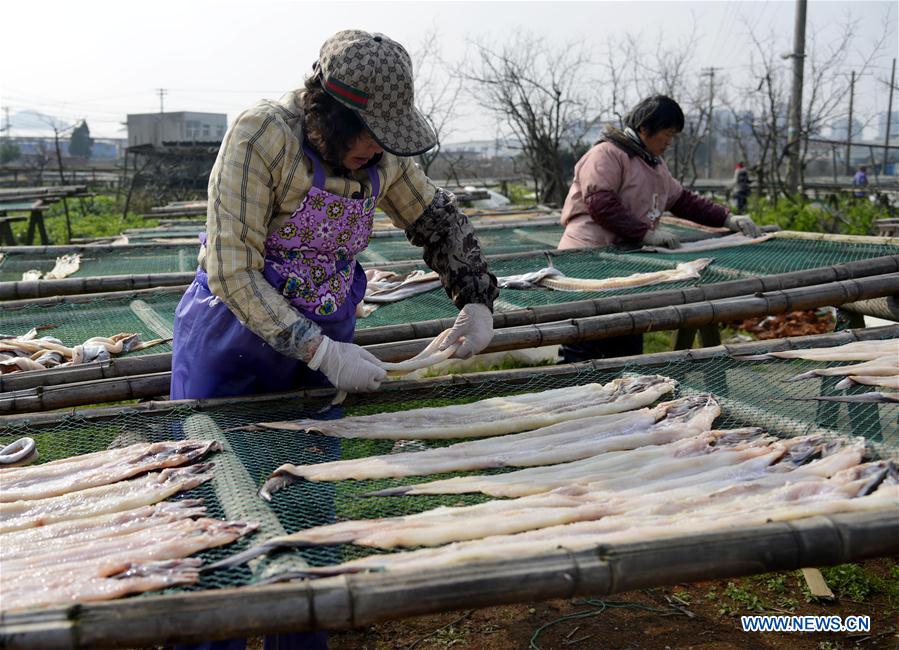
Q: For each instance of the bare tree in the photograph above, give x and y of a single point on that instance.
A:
(630, 74)
(538, 93)
(38, 161)
(437, 93)
(828, 90)
(760, 108)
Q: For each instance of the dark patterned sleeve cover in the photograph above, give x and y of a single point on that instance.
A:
(452, 250)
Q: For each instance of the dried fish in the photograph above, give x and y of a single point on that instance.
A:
(21, 452)
(556, 443)
(126, 578)
(680, 419)
(45, 583)
(855, 351)
(871, 398)
(144, 459)
(870, 380)
(494, 416)
(842, 493)
(727, 241)
(551, 278)
(76, 531)
(881, 366)
(105, 499)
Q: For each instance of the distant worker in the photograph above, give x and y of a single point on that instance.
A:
(741, 186)
(621, 187)
(860, 181)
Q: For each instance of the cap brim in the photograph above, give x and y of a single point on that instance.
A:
(407, 134)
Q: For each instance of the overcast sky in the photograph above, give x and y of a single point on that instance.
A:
(101, 60)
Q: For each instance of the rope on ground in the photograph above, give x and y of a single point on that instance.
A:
(600, 606)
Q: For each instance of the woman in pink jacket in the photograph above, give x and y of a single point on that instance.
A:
(620, 189)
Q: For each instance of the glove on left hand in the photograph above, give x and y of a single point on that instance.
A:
(474, 327)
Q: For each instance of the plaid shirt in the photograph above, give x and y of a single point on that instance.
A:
(259, 180)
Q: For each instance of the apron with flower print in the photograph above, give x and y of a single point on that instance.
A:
(310, 258)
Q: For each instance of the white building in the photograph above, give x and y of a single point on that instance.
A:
(184, 126)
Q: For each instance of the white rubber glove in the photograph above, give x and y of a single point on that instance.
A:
(661, 237)
(474, 327)
(744, 224)
(348, 366)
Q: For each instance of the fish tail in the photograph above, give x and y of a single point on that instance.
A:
(242, 557)
(805, 375)
(312, 572)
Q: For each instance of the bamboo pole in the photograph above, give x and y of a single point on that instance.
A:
(845, 239)
(116, 367)
(150, 385)
(345, 602)
(69, 286)
(116, 389)
(519, 375)
(692, 315)
(546, 313)
(81, 298)
(614, 304)
(86, 248)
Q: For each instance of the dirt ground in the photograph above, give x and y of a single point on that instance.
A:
(794, 323)
(703, 616)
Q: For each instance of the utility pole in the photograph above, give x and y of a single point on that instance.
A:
(161, 92)
(886, 142)
(849, 128)
(795, 129)
(710, 73)
(6, 120)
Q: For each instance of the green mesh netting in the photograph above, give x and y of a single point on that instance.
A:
(118, 261)
(493, 242)
(750, 393)
(150, 315)
(112, 315)
(767, 258)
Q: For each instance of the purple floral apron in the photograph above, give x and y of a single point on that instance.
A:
(310, 260)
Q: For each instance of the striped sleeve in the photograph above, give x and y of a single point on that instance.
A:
(241, 201)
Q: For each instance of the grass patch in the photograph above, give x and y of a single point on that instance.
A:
(97, 216)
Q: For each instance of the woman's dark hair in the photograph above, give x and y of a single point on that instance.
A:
(329, 126)
(654, 114)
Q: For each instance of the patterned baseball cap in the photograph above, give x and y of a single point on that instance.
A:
(372, 74)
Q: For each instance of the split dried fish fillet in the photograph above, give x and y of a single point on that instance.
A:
(32, 484)
(881, 366)
(494, 416)
(855, 351)
(105, 499)
(840, 494)
(870, 380)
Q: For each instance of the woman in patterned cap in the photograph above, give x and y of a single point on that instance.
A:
(292, 197)
(621, 187)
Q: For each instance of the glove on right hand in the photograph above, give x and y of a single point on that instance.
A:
(348, 366)
(661, 237)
